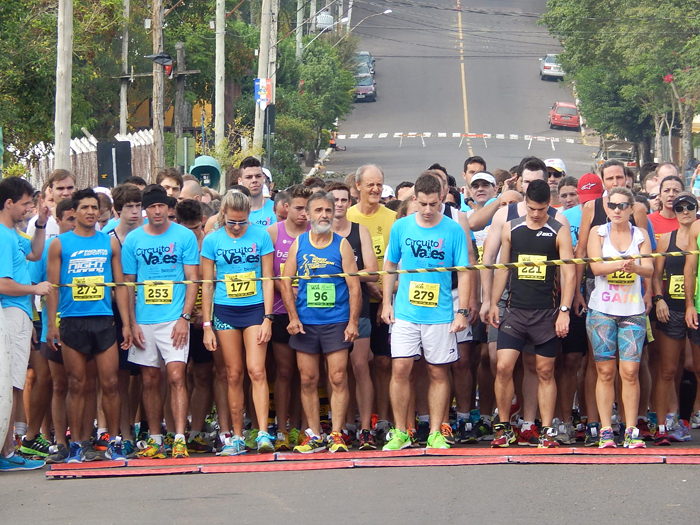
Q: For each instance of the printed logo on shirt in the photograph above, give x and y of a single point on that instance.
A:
(544, 234)
(311, 262)
(85, 261)
(159, 255)
(426, 249)
(267, 221)
(245, 254)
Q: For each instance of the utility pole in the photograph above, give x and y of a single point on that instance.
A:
(158, 95)
(219, 90)
(178, 120)
(64, 72)
(300, 28)
(124, 82)
(313, 19)
(263, 68)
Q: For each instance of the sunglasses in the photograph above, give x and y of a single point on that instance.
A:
(680, 208)
(619, 205)
(556, 174)
(236, 223)
(653, 196)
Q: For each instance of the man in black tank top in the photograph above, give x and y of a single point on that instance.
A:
(532, 311)
(360, 241)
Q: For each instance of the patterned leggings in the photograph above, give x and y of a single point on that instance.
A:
(610, 333)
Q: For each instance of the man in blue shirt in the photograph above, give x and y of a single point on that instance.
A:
(16, 293)
(423, 318)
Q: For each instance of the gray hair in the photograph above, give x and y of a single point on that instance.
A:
(619, 190)
(361, 171)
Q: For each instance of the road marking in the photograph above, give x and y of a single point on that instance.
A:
(464, 81)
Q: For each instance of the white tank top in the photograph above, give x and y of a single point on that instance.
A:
(618, 293)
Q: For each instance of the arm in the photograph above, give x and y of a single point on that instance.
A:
(500, 277)
(480, 218)
(388, 287)
(354, 292)
(208, 274)
(657, 283)
(268, 288)
(272, 232)
(568, 275)
(136, 332)
(642, 267)
(579, 304)
(491, 247)
(121, 293)
(689, 278)
(595, 250)
(181, 330)
(39, 237)
(473, 303)
(290, 270)
(53, 275)
(368, 256)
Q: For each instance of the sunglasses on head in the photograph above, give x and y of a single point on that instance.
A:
(236, 223)
(679, 208)
(619, 205)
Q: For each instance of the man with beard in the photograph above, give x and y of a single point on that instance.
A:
(323, 320)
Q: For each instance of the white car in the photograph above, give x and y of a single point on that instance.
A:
(550, 68)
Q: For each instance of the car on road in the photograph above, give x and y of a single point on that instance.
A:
(363, 69)
(365, 57)
(365, 88)
(622, 150)
(564, 115)
(550, 68)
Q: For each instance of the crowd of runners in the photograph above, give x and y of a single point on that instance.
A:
(537, 355)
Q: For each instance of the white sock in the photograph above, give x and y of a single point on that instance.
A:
(158, 438)
(20, 429)
(527, 425)
(662, 428)
(179, 436)
(101, 431)
(462, 415)
(424, 419)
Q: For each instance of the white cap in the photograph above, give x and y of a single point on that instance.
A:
(267, 173)
(102, 189)
(557, 164)
(265, 191)
(387, 191)
(482, 175)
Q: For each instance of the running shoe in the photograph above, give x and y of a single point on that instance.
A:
(75, 453)
(644, 431)
(438, 440)
(294, 435)
(150, 450)
(311, 444)
(398, 440)
(233, 446)
(529, 437)
(102, 442)
(249, 436)
(446, 431)
(695, 420)
(89, 452)
(283, 441)
(575, 417)
(412, 435)
(263, 442)
(503, 435)
(35, 447)
(661, 439)
(681, 433)
(168, 442)
(422, 432)
(129, 449)
(336, 443)
(115, 449)
(547, 438)
(592, 438)
(462, 430)
(633, 438)
(615, 419)
(57, 454)
(381, 433)
(180, 449)
(566, 435)
(514, 406)
(347, 438)
(367, 440)
(606, 439)
(198, 445)
(483, 430)
(17, 462)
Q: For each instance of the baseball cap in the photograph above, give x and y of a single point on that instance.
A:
(557, 164)
(685, 196)
(267, 173)
(483, 175)
(590, 187)
(387, 191)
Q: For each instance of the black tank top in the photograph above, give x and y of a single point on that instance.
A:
(450, 211)
(513, 212)
(674, 293)
(533, 287)
(353, 239)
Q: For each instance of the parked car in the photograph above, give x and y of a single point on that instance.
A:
(622, 150)
(565, 115)
(365, 88)
(550, 68)
(363, 69)
(365, 57)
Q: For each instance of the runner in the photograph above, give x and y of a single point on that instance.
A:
(161, 251)
(533, 313)
(88, 258)
(171, 180)
(665, 220)
(283, 235)
(242, 313)
(15, 293)
(361, 242)
(616, 319)
(323, 320)
(59, 186)
(424, 321)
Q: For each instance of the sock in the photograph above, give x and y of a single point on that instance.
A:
(158, 438)
(101, 431)
(527, 425)
(424, 419)
(462, 415)
(179, 436)
(20, 429)
(643, 418)
(222, 437)
(193, 435)
(11, 455)
(487, 419)
(662, 428)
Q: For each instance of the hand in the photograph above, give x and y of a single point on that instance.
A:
(137, 336)
(485, 310)
(629, 266)
(35, 339)
(473, 311)
(691, 318)
(128, 338)
(579, 305)
(180, 333)
(662, 311)
(378, 320)
(265, 331)
(458, 324)
(198, 320)
(43, 288)
(494, 318)
(510, 184)
(295, 327)
(53, 338)
(388, 314)
(42, 211)
(375, 291)
(562, 324)
(648, 302)
(351, 332)
(209, 339)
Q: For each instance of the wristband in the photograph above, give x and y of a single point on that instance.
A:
(206, 323)
(36, 225)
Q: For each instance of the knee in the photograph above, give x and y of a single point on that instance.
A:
(309, 379)
(338, 379)
(284, 372)
(202, 376)
(667, 372)
(629, 376)
(151, 379)
(76, 385)
(383, 364)
(606, 376)
(400, 371)
(176, 378)
(504, 370)
(572, 363)
(234, 378)
(110, 386)
(257, 374)
(545, 372)
(60, 386)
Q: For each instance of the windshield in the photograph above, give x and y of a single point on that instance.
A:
(561, 110)
(622, 155)
(551, 59)
(364, 81)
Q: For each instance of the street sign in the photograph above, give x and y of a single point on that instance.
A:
(185, 151)
(113, 163)
(263, 92)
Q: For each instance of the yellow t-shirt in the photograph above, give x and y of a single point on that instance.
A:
(379, 226)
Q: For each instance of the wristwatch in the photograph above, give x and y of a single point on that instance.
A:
(186, 317)
(564, 308)
(271, 317)
(657, 298)
(464, 312)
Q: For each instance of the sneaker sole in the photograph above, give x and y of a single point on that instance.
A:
(406, 445)
(320, 449)
(32, 452)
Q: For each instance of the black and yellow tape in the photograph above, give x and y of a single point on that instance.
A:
(496, 266)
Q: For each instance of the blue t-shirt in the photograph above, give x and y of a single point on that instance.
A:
(37, 273)
(265, 216)
(652, 237)
(111, 224)
(238, 256)
(14, 265)
(159, 258)
(573, 215)
(426, 298)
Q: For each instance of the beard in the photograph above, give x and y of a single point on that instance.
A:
(320, 228)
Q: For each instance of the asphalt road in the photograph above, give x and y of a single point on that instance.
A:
(441, 70)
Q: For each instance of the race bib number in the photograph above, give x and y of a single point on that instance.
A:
(676, 287)
(237, 288)
(320, 295)
(424, 294)
(622, 277)
(198, 301)
(378, 245)
(479, 254)
(532, 273)
(87, 289)
(158, 293)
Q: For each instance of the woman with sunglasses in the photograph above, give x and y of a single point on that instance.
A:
(242, 316)
(664, 220)
(616, 320)
(669, 300)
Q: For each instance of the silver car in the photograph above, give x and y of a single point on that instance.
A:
(550, 68)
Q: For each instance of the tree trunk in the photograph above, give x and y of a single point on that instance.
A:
(687, 136)
(658, 139)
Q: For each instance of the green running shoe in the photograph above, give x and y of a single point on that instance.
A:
(437, 440)
(398, 440)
